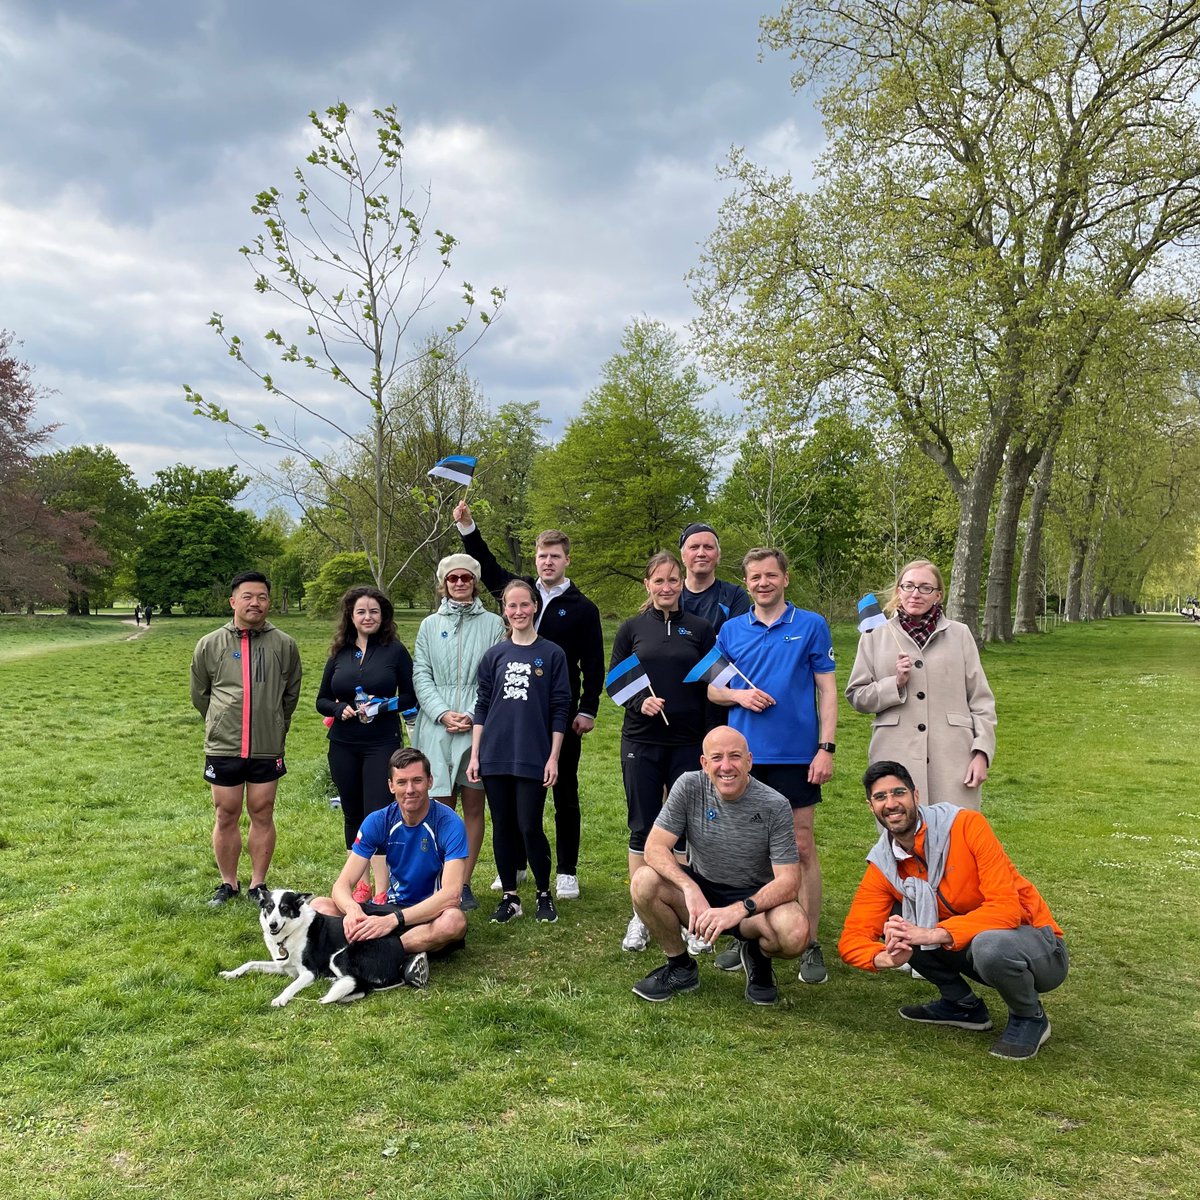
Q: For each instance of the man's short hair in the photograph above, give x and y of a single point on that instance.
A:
(554, 537)
(761, 552)
(406, 757)
(248, 577)
(882, 769)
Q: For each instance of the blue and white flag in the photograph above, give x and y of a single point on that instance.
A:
(714, 668)
(458, 468)
(870, 615)
(626, 679)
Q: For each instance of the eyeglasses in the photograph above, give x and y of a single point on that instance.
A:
(926, 589)
(460, 578)
(895, 793)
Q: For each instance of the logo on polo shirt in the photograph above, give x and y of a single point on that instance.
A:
(756, 819)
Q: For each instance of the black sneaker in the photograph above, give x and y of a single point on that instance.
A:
(760, 976)
(1023, 1037)
(507, 910)
(468, 903)
(545, 908)
(258, 894)
(416, 970)
(973, 1016)
(667, 981)
(224, 892)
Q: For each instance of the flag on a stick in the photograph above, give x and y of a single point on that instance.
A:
(458, 468)
(714, 668)
(626, 679)
(870, 615)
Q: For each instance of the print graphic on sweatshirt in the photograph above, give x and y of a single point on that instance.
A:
(516, 681)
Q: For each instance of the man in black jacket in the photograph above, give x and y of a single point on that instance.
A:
(571, 621)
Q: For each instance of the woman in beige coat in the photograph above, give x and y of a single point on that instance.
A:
(921, 676)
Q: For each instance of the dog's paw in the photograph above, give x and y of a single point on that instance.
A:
(235, 974)
(280, 1001)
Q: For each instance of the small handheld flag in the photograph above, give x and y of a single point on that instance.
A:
(458, 468)
(714, 668)
(626, 679)
(870, 615)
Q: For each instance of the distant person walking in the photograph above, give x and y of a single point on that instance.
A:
(245, 682)
(366, 655)
(137, 615)
(920, 676)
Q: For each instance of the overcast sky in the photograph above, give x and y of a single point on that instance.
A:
(572, 148)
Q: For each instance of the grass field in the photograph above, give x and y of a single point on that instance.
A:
(528, 1069)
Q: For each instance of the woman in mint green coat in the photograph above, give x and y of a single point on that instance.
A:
(450, 643)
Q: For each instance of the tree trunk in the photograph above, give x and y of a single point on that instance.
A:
(1075, 581)
(1031, 551)
(997, 613)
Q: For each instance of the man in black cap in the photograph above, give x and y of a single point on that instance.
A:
(703, 593)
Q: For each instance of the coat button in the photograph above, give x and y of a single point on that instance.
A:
(918, 663)
(921, 728)
(920, 695)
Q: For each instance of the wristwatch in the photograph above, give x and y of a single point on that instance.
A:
(751, 907)
(828, 747)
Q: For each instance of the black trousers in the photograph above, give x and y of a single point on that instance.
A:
(360, 774)
(517, 806)
(568, 818)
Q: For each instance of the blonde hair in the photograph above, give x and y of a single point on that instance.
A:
(664, 558)
(893, 601)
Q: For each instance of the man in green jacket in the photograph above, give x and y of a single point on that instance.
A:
(245, 682)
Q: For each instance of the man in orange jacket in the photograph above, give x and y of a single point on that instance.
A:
(940, 894)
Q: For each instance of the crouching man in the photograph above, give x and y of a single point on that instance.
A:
(941, 895)
(741, 878)
(425, 844)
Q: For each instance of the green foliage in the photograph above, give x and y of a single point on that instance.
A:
(94, 481)
(189, 553)
(340, 572)
(633, 468)
(177, 486)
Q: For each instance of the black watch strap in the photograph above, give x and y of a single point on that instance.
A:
(828, 747)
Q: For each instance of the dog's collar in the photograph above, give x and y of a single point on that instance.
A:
(281, 952)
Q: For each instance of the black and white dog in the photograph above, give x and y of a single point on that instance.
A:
(306, 945)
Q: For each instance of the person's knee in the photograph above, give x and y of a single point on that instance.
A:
(326, 906)
(450, 925)
(646, 885)
(790, 930)
(994, 951)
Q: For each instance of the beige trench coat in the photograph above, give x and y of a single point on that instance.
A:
(944, 713)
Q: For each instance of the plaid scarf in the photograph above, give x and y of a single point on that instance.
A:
(920, 629)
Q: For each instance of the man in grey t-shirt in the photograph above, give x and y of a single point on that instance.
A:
(741, 877)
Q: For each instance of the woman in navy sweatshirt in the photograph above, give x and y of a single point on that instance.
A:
(365, 653)
(521, 713)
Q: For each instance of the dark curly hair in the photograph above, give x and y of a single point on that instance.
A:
(346, 635)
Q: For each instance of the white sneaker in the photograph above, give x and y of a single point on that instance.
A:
(695, 945)
(637, 936)
(566, 887)
(522, 875)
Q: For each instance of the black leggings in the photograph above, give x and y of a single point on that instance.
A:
(517, 806)
(360, 774)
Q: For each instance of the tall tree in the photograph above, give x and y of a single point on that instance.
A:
(633, 468)
(358, 259)
(93, 480)
(40, 547)
(175, 486)
(999, 179)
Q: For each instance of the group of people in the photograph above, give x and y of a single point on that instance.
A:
(729, 733)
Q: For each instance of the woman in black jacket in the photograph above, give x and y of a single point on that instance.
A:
(366, 654)
(656, 751)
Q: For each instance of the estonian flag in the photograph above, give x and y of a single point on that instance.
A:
(626, 679)
(870, 615)
(458, 468)
(713, 668)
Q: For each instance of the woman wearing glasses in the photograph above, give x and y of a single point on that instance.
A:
(921, 677)
(450, 644)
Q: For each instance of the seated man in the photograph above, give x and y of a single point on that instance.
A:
(425, 844)
(741, 878)
(940, 894)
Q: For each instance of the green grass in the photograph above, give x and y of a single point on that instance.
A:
(528, 1069)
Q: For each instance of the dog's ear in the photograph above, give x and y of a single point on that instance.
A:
(265, 901)
(304, 897)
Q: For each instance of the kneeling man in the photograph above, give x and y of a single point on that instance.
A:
(941, 894)
(425, 844)
(741, 878)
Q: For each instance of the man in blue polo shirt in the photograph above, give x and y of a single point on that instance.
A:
(425, 844)
(788, 717)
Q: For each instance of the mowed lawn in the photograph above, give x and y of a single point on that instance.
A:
(528, 1069)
